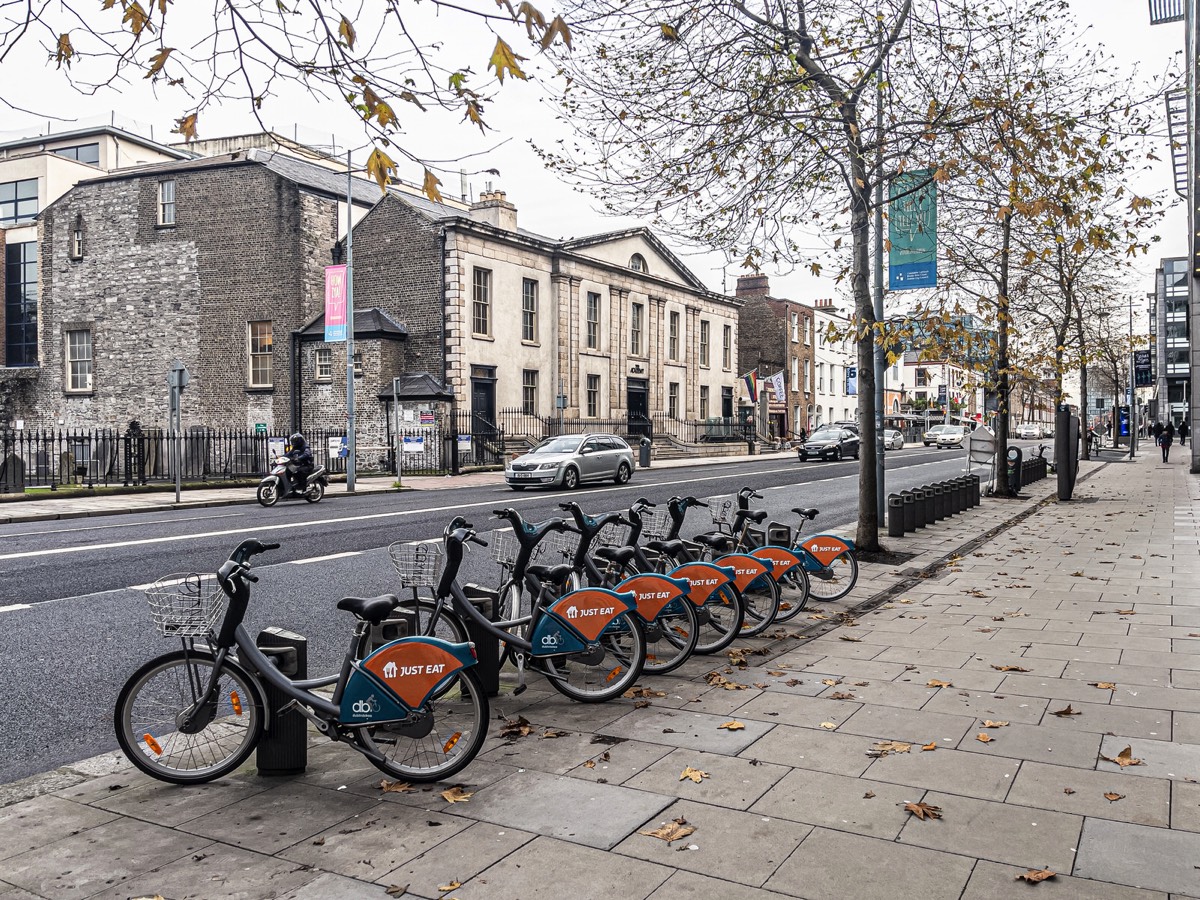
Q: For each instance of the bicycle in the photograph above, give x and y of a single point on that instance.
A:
(413, 707)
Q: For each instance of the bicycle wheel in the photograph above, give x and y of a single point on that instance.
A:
(671, 637)
(607, 668)
(836, 580)
(793, 595)
(761, 602)
(152, 701)
(720, 620)
(437, 740)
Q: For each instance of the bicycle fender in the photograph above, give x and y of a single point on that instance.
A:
(704, 578)
(825, 548)
(577, 618)
(399, 677)
(748, 568)
(783, 559)
(653, 592)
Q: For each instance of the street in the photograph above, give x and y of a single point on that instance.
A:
(75, 624)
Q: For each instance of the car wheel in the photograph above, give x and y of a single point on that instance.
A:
(570, 479)
(623, 474)
(857, 450)
(803, 457)
(837, 454)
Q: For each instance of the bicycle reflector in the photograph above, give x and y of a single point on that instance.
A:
(614, 673)
(152, 744)
(454, 739)
(237, 703)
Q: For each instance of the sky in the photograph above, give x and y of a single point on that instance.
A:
(521, 113)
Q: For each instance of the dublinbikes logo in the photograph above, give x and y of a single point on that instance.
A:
(552, 641)
(365, 708)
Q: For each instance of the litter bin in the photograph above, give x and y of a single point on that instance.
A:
(1014, 470)
(644, 452)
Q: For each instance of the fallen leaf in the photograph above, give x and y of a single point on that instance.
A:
(828, 725)
(731, 725)
(792, 682)
(988, 723)
(1068, 791)
(590, 764)
(985, 630)
(553, 733)
(846, 637)
(456, 794)
(997, 618)
(518, 727)
(831, 681)
(319, 842)
(818, 616)
(882, 748)
(761, 685)
(719, 680)
(869, 795)
(1009, 669)
(861, 683)
(1126, 612)
(1123, 759)
(396, 787)
(983, 737)
(638, 691)
(1113, 797)
(1103, 685)
(1066, 711)
(452, 886)
(605, 756)
(775, 673)
(641, 704)
(932, 745)
(934, 682)
(671, 831)
(906, 601)
(924, 810)
(397, 890)
(1033, 876)
(694, 774)
(841, 695)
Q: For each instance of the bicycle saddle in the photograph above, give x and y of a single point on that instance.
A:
(756, 516)
(371, 609)
(809, 513)
(551, 574)
(617, 554)
(716, 541)
(668, 547)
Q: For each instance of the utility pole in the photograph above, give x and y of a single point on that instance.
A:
(1133, 408)
(351, 455)
(880, 362)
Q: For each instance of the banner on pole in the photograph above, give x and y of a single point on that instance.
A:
(751, 379)
(778, 386)
(851, 381)
(912, 231)
(335, 303)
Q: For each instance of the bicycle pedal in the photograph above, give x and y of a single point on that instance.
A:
(520, 689)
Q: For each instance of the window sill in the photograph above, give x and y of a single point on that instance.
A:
(72, 258)
(482, 337)
(531, 343)
(322, 381)
(87, 393)
(260, 389)
(162, 226)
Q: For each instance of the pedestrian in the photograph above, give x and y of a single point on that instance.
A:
(1165, 439)
(1183, 433)
(1158, 430)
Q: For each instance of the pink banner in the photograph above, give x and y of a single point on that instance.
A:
(335, 303)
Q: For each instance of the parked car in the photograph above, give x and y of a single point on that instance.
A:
(830, 442)
(892, 439)
(849, 426)
(571, 460)
(930, 437)
(1029, 431)
(952, 436)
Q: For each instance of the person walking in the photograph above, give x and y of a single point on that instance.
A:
(1166, 439)
(1158, 430)
(1183, 433)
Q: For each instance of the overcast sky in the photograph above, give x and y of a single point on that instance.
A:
(521, 112)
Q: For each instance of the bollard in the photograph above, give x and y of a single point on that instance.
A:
(976, 490)
(939, 502)
(283, 749)
(964, 493)
(928, 516)
(910, 511)
(895, 515)
(953, 497)
(918, 495)
(487, 647)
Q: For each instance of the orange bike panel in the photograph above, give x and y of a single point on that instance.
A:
(653, 592)
(705, 579)
(588, 611)
(412, 670)
(825, 548)
(783, 558)
(747, 567)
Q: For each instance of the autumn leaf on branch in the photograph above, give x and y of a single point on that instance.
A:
(186, 126)
(158, 61)
(346, 32)
(63, 51)
(505, 61)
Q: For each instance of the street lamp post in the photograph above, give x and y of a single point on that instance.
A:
(1133, 410)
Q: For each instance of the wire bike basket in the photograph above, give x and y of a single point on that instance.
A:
(185, 605)
(613, 534)
(655, 525)
(417, 565)
(722, 512)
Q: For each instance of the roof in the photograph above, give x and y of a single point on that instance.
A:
(95, 131)
(416, 386)
(370, 324)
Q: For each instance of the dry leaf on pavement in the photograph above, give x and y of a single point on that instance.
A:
(396, 787)
(590, 764)
(1009, 669)
(818, 616)
(775, 673)
(988, 723)
(1123, 759)
(869, 795)
(397, 890)
(1033, 876)
(883, 748)
(1112, 796)
(452, 886)
(932, 745)
(983, 737)
(456, 794)
(731, 725)
(846, 637)
(841, 695)
(719, 680)
(828, 725)
(641, 704)
(553, 733)
(935, 682)
(1103, 685)
(671, 831)
(924, 810)
(1126, 612)
(1066, 711)
(1068, 791)
(792, 682)
(518, 727)
(694, 774)
(831, 681)
(638, 691)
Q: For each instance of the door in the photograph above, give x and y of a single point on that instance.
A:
(637, 401)
(483, 401)
(592, 463)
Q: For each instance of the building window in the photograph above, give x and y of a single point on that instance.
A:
(727, 348)
(795, 328)
(84, 153)
(809, 328)
(808, 368)
(358, 364)
(18, 201)
(673, 399)
(795, 373)
(79, 361)
(703, 401)
(260, 354)
(166, 202)
(704, 343)
(637, 262)
(821, 378)
(20, 304)
(76, 251)
(922, 378)
(324, 364)
(481, 302)
(593, 321)
(529, 310)
(593, 396)
(529, 386)
(673, 336)
(635, 329)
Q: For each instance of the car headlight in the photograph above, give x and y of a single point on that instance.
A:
(550, 465)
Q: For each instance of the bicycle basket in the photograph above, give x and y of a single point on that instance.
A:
(558, 547)
(655, 526)
(416, 564)
(185, 605)
(612, 535)
(504, 548)
(722, 511)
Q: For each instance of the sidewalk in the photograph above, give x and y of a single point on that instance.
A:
(991, 678)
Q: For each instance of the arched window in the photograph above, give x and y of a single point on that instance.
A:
(637, 262)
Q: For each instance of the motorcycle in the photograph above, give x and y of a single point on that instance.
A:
(278, 485)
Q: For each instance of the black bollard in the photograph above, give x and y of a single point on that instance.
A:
(910, 511)
(895, 515)
(283, 749)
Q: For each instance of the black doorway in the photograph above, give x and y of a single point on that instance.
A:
(637, 401)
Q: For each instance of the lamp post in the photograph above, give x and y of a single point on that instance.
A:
(1133, 408)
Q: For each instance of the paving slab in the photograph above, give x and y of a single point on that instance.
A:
(917, 726)
(463, 856)
(684, 728)
(992, 881)
(741, 847)
(690, 885)
(328, 886)
(1160, 759)
(866, 807)
(835, 865)
(1033, 742)
(616, 760)
(1145, 801)
(168, 804)
(1185, 805)
(789, 709)
(43, 820)
(732, 781)
(809, 748)
(979, 705)
(1140, 856)
(1104, 718)
(885, 693)
(952, 771)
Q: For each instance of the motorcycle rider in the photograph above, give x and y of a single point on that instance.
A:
(302, 458)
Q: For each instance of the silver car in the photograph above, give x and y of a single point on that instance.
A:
(571, 460)
(892, 439)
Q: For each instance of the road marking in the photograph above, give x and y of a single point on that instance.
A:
(315, 559)
(124, 525)
(14, 607)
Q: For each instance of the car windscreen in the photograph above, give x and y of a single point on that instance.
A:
(825, 437)
(558, 445)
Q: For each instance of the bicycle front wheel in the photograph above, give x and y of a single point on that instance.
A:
(153, 701)
(720, 620)
(836, 580)
(793, 595)
(436, 741)
(607, 668)
(761, 602)
(671, 636)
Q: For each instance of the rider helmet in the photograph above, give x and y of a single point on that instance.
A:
(297, 441)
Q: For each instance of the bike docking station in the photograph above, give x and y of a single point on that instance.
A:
(283, 749)
(920, 507)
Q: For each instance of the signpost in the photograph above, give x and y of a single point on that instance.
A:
(177, 380)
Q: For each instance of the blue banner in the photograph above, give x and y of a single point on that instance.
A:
(912, 232)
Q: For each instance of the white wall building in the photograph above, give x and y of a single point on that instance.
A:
(833, 360)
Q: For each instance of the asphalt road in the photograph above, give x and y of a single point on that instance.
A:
(74, 623)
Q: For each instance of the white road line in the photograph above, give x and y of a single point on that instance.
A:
(124, 525)
(14, 607)
(315, 559)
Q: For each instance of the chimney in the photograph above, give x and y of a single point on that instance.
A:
(494, 210)
(824, 303)
(753, 287)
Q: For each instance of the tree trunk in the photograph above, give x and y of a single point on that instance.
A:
(867, 536)
(1002, 387)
